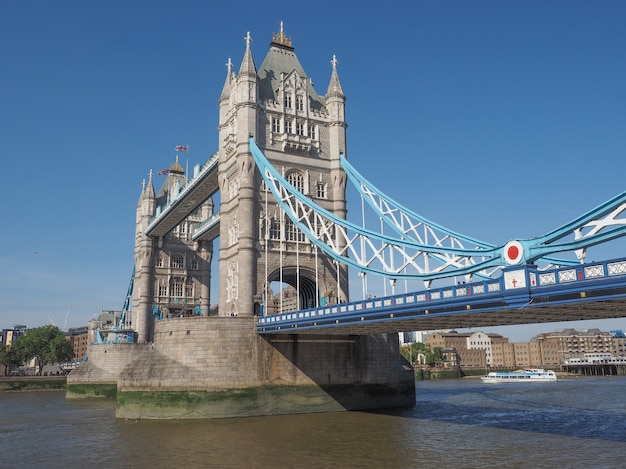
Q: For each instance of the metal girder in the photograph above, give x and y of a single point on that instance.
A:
(422, 241)
(523, 295)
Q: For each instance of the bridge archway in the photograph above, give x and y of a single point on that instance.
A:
(309, 293)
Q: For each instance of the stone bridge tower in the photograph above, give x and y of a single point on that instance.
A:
(302, 134)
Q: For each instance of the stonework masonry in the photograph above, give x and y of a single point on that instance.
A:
(220, 367)
(192, 364)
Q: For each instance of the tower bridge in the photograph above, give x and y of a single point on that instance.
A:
(281, 171)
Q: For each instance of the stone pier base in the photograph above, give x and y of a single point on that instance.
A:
(219, 367)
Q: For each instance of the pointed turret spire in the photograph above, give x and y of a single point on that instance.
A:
(229, 79)
(334, 87)
(247, 65)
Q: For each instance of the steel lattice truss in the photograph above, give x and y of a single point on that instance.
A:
(425, 250)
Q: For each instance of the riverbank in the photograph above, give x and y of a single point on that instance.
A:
(32, 383)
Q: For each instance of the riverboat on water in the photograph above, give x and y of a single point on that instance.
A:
(532, 375)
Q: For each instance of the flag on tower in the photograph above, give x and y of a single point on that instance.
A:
(163, 171)
(182, 147)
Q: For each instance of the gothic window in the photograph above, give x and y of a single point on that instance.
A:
(300, 102)
(289, 128)
(194, 264)
(320, 190)
(296, 180)
(177, 288)
(232, 282)
(287, 100)
(189, 290)
(300, 128)
(275, 124)
(177, 262)
(233, 184)
(312, 132)
(162, 290)
(181, 228)
(233, 233)
(293, 233)
(275, 229)
(159, 261)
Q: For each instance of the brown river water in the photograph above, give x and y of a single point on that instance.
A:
(464, 423)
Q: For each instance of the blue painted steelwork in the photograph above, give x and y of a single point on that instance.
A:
(373, 252)
(409, 224)
(520, 289)
(121, 331)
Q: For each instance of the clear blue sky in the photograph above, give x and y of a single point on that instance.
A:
(497, 119)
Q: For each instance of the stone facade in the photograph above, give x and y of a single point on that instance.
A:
(190, 364)
(214, 367)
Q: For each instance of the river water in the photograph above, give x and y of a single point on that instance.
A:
(575, 422)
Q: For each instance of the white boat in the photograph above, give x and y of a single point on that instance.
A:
(531, 375)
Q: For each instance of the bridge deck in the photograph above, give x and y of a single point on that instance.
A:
(590, 291)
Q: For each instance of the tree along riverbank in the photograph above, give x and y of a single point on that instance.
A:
(32, 383)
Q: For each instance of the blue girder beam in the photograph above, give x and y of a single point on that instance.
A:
(523, 295)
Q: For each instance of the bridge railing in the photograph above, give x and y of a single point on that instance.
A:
(426, 300)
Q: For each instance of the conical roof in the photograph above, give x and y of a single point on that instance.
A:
(281, 59)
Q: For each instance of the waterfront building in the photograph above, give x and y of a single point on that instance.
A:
(546, 350)
(561, 344)
(473, 349)
(79, 338)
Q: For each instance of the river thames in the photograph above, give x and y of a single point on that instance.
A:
(464, 423)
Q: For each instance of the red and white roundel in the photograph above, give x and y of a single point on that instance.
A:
(513, 252)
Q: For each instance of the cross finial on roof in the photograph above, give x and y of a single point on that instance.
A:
(248, 39)
(334, 61)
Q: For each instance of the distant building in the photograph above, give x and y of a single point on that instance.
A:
(9, 335)
(546, 350)
(567, 343)
(473, 349)
(79, 338)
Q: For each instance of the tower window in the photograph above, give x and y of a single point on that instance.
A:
(177, 262)
(275, 229)
(300, 102)
(312, 132)
(177, 288)
(275, 124)
(288, 101)
(293, 233)
(289, 128)
(296, 180)
(320, 190)
(300, 128)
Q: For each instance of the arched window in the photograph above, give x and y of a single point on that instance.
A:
(177, 262)
(296, 180)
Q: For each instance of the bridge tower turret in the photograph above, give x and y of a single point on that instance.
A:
(144, 249)
(302, 134)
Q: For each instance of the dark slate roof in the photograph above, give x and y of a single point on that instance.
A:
(282, 59)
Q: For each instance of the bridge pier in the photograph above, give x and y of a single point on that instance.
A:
(219, 367)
